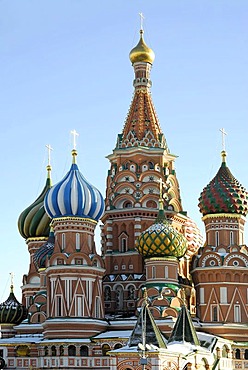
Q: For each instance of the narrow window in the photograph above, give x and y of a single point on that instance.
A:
(215, 313)
(166, 273)
(97, 307)
(223, 295)
(231, 238)
(237, 313)
(80, 306)
(63, 241)
(202, 299)
(59, 306)
(77, 241)
(123, 245)
(216, 238)
(153, 272)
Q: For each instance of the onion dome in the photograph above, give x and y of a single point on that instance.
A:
(33, 221)
(161, 239)
(12, 311)
(193, 236)
(46, 250)
(141, 52)
(224, 193)
(74, 196)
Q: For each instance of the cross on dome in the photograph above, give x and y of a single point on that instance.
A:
(74, 134)
(223, 132)
(141, 20)
(49, 149)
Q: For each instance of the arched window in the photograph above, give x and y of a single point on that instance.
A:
(237, 354)
(107, 294)
(246, 354)
(117, 345)
(61, 350)
(53, 351)
(151, 204)
(127, 204)
(215, 313)
(71, 350)
(225, 352)
(119, 297)
(105, 349)
(84, 351)
(130, 293)
(123, 244)
(45, 351)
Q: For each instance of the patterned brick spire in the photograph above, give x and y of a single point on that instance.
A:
(142, 126)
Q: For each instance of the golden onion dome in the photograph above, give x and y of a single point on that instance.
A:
(141, 52)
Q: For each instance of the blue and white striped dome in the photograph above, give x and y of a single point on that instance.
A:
(74, 196)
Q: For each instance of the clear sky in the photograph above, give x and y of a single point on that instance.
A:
(64, 65)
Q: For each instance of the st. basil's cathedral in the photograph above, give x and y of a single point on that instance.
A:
(159, 295)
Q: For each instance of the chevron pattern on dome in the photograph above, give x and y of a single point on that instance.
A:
(161, 240)
(224, 194)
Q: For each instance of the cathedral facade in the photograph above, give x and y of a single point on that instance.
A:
(158, 295)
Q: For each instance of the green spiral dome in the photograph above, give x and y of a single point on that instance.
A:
(34, 222)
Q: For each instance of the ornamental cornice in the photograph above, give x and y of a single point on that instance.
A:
(222, 215)
(71, 218)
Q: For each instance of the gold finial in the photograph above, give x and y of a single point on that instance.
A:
(11, 282)
(49, 168)
(161, 202)
(74, 151)
(223, 152)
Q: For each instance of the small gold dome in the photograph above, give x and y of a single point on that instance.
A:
(141, 52)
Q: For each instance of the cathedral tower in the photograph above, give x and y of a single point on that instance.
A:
(140, 165)
(220, 270)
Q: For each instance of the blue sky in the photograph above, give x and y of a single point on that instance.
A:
(64, 65)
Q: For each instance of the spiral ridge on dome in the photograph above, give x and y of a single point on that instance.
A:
(224, 194)
(34, 221)
(46, 250)
(74, 196)
(12, 311)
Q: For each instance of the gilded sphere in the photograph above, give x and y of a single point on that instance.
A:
(141, 52)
